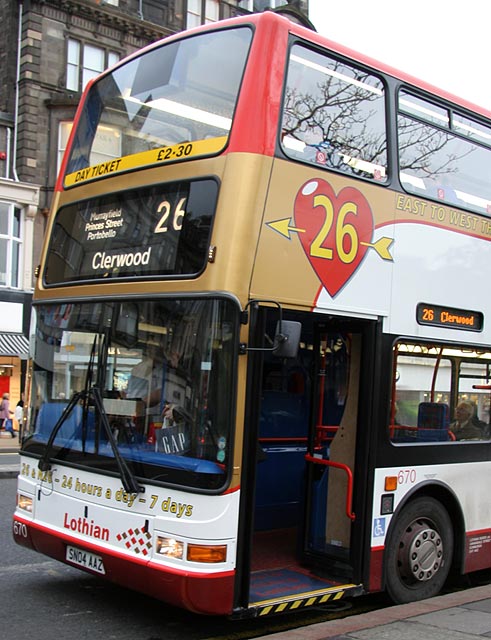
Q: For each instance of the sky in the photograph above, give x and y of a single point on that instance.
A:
(444, 42)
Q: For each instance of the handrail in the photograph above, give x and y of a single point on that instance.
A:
(326, 428)
(344, 467)
(435, 373)
(303, 439)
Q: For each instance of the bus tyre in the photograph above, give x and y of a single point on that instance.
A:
(419, 551)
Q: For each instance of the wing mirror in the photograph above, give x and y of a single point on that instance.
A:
(286, 339)
(287, 334)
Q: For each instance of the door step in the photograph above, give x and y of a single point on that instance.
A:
(281, 590)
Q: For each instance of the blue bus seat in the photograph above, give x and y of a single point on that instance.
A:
(433, 422)
(280, 473)
(283, 415)
(280, 487)
(50, 413)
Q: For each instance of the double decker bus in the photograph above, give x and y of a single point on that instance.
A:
(260, 303)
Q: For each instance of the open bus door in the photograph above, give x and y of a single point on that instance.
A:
(332, 451)
(306, 543)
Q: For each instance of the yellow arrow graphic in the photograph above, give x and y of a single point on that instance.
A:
(283, 227)
(381, 247)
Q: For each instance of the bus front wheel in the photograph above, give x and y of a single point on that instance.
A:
(419, 551)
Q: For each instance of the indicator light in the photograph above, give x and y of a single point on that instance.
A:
(390, 483)
(207, 553)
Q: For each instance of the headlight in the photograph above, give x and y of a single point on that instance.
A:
(24, 502)
(170, 547)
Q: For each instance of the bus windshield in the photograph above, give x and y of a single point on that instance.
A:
(163, 369)
(172, 99)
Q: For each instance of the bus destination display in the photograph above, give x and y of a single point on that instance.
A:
(157, 231)
(448, 317)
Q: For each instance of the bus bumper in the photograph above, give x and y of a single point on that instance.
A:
(204, 593)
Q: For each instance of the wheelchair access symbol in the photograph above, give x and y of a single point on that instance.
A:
(379, 527)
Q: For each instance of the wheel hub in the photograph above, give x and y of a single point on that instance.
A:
(420, 552)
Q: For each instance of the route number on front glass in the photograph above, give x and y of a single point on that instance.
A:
(169, 216)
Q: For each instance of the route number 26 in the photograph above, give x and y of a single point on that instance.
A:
(343, 230)
(169, 216)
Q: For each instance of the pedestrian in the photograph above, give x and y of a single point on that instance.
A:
(19, 413)
(5, 413)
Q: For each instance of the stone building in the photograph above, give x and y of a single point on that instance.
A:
(49, 49)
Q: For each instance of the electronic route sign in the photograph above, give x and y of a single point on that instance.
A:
(440, 316)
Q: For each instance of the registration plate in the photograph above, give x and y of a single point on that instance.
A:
(85, 559)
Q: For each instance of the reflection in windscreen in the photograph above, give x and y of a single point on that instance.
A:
(170, 95)
(164, 371)
(444, 155)
(334, 115)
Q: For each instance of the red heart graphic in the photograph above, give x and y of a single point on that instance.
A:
(335, 231)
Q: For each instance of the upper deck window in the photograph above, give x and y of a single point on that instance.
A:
(334, 115)
(443, 154)
(167, 104)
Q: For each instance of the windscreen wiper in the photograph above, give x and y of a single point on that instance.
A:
(130, 483)
(127, 478)
(77, 396)
(87, 386)
(44, 462)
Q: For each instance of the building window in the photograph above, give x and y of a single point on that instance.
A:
(63, 135)
(202, 12)
(84, 62)
(10, 244)
(261, 5)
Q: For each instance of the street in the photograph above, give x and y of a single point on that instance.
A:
(42, 599)
(8, 459)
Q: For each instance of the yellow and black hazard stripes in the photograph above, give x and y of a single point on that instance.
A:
(303, 600)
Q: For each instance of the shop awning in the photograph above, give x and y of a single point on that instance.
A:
(13, 344)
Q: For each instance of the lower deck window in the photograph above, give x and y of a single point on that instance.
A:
(440, 393)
